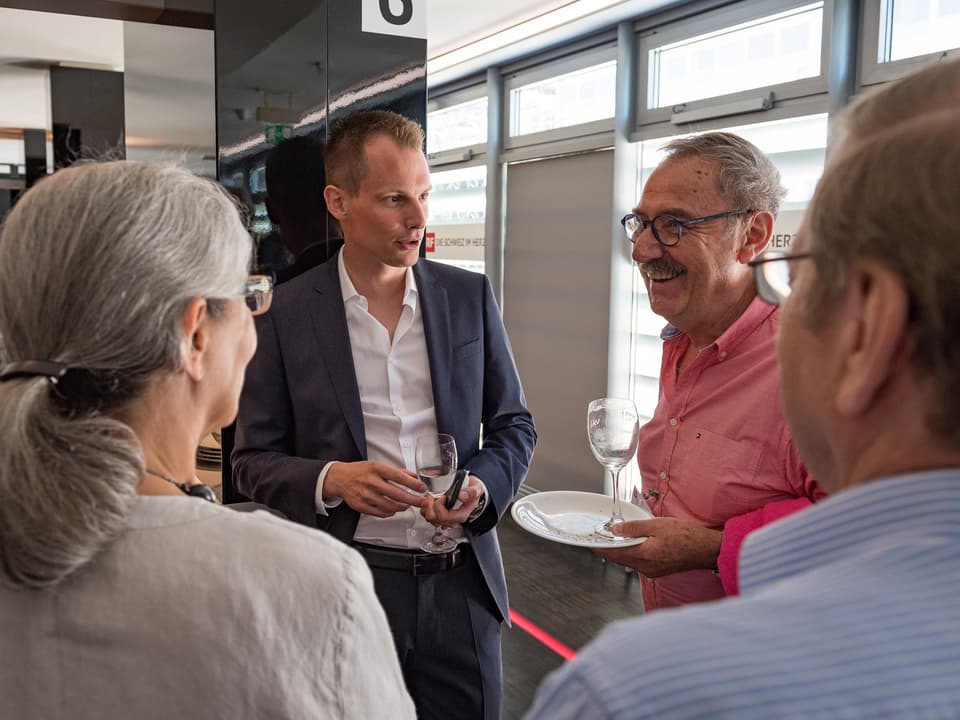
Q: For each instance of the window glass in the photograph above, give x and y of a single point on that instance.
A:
(577, 97)
(918, 27)
(767, 51)
(458, 204)
(457, 126)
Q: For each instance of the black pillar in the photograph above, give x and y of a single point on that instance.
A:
(35, 154)
(87, 112)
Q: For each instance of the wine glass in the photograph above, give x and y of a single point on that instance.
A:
(613, 429)
(437, 466)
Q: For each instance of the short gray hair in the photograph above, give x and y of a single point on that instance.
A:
(747, 177)
(97, 265)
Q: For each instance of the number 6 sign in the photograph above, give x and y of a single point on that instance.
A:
(406, 18)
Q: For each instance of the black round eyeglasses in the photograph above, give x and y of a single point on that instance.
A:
(667, 229)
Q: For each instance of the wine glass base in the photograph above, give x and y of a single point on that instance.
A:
(439, 547)
(603, 529)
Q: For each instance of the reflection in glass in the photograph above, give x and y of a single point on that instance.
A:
(301, 228)
(766, 51)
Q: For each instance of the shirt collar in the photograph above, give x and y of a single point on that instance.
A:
(756, 313)
(350, 293)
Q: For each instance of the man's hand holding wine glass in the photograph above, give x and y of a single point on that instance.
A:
(373, 488)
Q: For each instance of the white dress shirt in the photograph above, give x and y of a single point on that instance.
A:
(397, 402)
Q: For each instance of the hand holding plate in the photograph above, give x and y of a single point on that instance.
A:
(672, 546)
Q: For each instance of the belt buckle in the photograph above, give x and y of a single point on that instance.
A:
(439, 562)
(417, 567)
(428, 564)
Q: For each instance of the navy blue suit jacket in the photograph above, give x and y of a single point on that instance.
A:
(300, 406)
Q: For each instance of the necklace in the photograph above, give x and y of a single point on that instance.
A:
(199, 490)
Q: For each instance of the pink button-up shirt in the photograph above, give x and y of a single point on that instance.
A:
(718, 446)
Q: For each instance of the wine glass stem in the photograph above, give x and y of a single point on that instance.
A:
(616, 516)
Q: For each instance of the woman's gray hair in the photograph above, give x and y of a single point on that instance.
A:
(97, 266)
(748, 178)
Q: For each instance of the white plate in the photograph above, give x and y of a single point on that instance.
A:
(571, 518)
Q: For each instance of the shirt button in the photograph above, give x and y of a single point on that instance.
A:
(723, 354)
(674, 422)
(663, 475)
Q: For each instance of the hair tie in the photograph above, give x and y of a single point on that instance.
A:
(53, 371)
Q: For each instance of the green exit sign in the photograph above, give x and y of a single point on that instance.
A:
(276, 134)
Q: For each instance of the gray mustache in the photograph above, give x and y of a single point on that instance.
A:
(661, 266)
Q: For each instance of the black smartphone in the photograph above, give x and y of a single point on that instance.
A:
(453, 492)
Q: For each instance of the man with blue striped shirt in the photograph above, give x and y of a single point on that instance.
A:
(850, 608)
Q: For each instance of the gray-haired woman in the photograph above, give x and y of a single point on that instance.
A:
(125, 329)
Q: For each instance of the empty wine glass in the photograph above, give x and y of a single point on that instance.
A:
(613, 429)
(437, 466)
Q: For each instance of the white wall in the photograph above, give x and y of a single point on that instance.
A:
(25, 94)
(169, 88)
(28, 35)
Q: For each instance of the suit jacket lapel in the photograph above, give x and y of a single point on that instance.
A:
(435, 309)
(330, 326)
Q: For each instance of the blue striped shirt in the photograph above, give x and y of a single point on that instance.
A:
(850, 609)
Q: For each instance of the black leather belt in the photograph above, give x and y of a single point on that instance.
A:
(414, 562)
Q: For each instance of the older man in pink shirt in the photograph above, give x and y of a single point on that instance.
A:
(717, 451)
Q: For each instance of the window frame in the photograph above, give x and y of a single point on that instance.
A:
(795, 97)
(475, 161)
(463, 154)
(874, 72)
(588, 132)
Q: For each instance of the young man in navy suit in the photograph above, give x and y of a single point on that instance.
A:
(360, 357)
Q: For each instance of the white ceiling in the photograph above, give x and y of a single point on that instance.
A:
(452, 23)
(487, 21)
